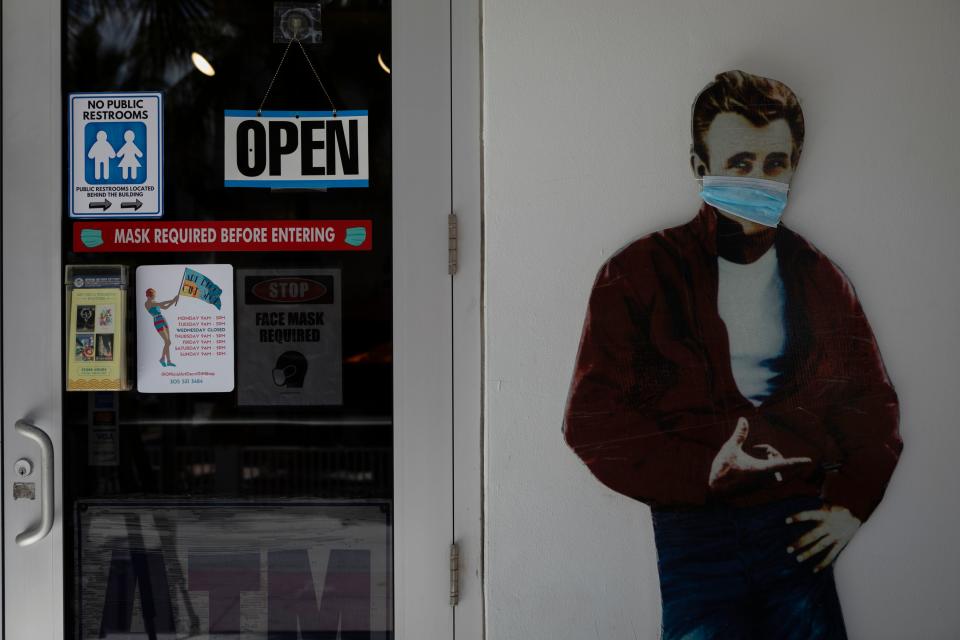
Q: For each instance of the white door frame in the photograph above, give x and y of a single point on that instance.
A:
(468, 305)
(32, 342)
(431, 413)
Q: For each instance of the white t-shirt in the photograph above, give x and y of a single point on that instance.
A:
(750, 300)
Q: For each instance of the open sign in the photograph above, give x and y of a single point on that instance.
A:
(295, 150)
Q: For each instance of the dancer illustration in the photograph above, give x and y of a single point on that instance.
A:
(101, 152)
(128, 155)
(153, 307)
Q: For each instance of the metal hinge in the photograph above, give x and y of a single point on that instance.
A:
(454, 574)
(452, 247)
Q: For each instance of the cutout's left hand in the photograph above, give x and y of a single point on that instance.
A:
(836, 527)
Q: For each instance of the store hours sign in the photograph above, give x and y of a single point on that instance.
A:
(115, 156)
(295, 149)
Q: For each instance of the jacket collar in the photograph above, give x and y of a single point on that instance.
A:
(704, 227)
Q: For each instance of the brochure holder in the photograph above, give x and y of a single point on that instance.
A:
(96, 303)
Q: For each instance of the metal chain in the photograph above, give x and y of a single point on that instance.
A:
(273, 79)
(312, 68)
(317, 76)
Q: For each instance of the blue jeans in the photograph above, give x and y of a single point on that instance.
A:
(725, 574)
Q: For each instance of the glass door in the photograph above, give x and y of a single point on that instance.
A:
(226, 337)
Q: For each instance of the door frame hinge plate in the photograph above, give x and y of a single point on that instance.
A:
(452, 228)
(454, 574)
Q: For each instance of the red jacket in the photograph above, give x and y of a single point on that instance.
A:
(653, 396)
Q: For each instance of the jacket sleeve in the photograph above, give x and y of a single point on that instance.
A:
(611, 420)
(864, 421)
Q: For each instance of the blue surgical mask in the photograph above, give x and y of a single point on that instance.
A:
(755, 199)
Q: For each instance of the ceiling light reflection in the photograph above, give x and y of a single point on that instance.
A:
(383, 65)
(201, 64)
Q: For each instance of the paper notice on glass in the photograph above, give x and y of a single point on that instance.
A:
(289, 329)
(184, 328)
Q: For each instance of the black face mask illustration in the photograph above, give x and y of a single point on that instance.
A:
(290, 370)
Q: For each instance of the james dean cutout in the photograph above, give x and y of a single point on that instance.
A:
(728, 378)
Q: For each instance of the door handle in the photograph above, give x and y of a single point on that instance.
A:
(39, 532)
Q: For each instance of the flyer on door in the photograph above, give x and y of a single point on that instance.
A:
(184, 328)
(95, 358)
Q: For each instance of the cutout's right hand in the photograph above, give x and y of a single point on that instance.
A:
(733, 466)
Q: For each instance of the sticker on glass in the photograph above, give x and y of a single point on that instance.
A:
(115, 160)
(289, 329)
(234, 569)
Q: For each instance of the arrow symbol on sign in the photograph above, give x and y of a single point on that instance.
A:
(101, 205)
(135, 205)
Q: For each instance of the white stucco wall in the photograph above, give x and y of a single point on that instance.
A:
(586, 126)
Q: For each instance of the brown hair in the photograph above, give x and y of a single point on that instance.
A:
(759, 100)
